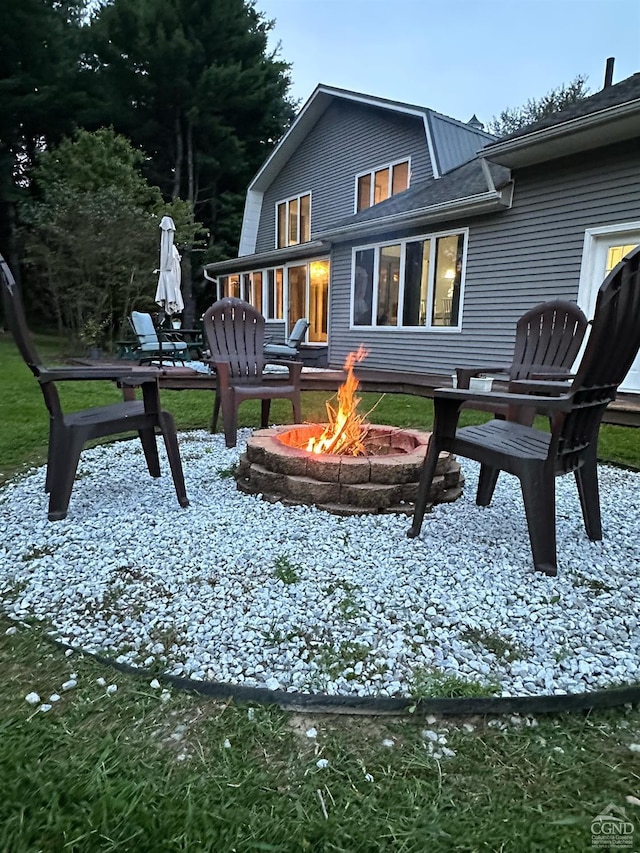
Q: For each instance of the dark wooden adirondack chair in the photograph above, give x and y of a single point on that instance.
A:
(234, 333)
(537, 457)
(68, 433)
(548, 339)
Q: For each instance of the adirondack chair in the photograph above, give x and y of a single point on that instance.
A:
(548, 339)
(291, 347)
(575, 410)
(234, 332)
(154, 345)
(68, 433)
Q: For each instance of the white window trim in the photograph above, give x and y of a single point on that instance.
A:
(376, 263)
(591, 236)
(371, 173)
(287, 201)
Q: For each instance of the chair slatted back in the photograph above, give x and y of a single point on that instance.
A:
(235, 333)
(612, 347)
(549, 334)
(14, 312)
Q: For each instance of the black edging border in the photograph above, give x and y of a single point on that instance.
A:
(383, 705)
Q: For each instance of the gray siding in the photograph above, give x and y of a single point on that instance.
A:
(348, 139)
(455, 143)
(515, 259)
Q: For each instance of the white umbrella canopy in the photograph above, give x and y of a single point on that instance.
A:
(168, 292)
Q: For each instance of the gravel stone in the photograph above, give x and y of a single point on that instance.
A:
(196, 591)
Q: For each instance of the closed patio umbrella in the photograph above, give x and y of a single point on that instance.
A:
(168, 292)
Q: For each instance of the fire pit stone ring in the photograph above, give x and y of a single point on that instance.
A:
(275, 467)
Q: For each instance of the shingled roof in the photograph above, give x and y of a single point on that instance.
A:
(611, 96)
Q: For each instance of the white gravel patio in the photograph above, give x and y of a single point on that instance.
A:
(237, 590)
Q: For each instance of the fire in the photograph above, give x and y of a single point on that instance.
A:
(345, 432)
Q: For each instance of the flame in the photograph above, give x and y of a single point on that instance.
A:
(345, 432)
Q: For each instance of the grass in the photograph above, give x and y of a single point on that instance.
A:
(131, 771)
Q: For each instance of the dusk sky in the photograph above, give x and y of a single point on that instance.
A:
(458, 57)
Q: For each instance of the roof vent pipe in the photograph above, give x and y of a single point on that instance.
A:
(608, 72)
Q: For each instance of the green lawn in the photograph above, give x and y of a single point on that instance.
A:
(129, 771)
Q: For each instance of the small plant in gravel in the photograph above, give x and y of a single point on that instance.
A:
(286, 571)
(594, 584)
(276, 636)
(334, 661)
(227, 473)
(498, 645)
(429, 683)
(36, 553)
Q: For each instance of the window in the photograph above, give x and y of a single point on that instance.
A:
(415, 282)
(249, 286)
(286, 293)
(293, 221)
(373, 187)
(275, 294)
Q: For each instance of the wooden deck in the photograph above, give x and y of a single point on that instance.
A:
(624, 411)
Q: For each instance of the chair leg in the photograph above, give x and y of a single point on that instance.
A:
(424, 487)
(216, 412)
(168, 427)
(56, 435)
(67, 454)
(539, 495)
(486, 484)
(150, 448)
(230, 418)
(265, 408)
(297, 410)
(589, 492)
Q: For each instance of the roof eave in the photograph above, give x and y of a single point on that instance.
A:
(274, 257)
(476, 205)
(615, 124)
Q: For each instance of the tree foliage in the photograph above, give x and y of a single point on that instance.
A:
(513, 118)
(40, 92)
(191, 83)
(92, 238)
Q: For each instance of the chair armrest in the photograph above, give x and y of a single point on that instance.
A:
(464, 374)
(494, 398)
(295, 367)
(113, 372)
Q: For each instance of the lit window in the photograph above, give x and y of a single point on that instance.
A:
(414, 282)
(293, 221)
(379, 184)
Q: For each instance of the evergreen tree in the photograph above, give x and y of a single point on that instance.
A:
(40, 91)
(190, 82)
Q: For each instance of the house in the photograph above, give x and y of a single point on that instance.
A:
(425, 238)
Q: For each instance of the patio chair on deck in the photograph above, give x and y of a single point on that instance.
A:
(575, 409)
(68, 433)
(291, 347)
(154, 345)
(234, 333)
(548, 339)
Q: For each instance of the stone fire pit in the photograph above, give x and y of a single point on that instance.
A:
(385, 481)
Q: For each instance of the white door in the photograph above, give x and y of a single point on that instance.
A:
(603, 249)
